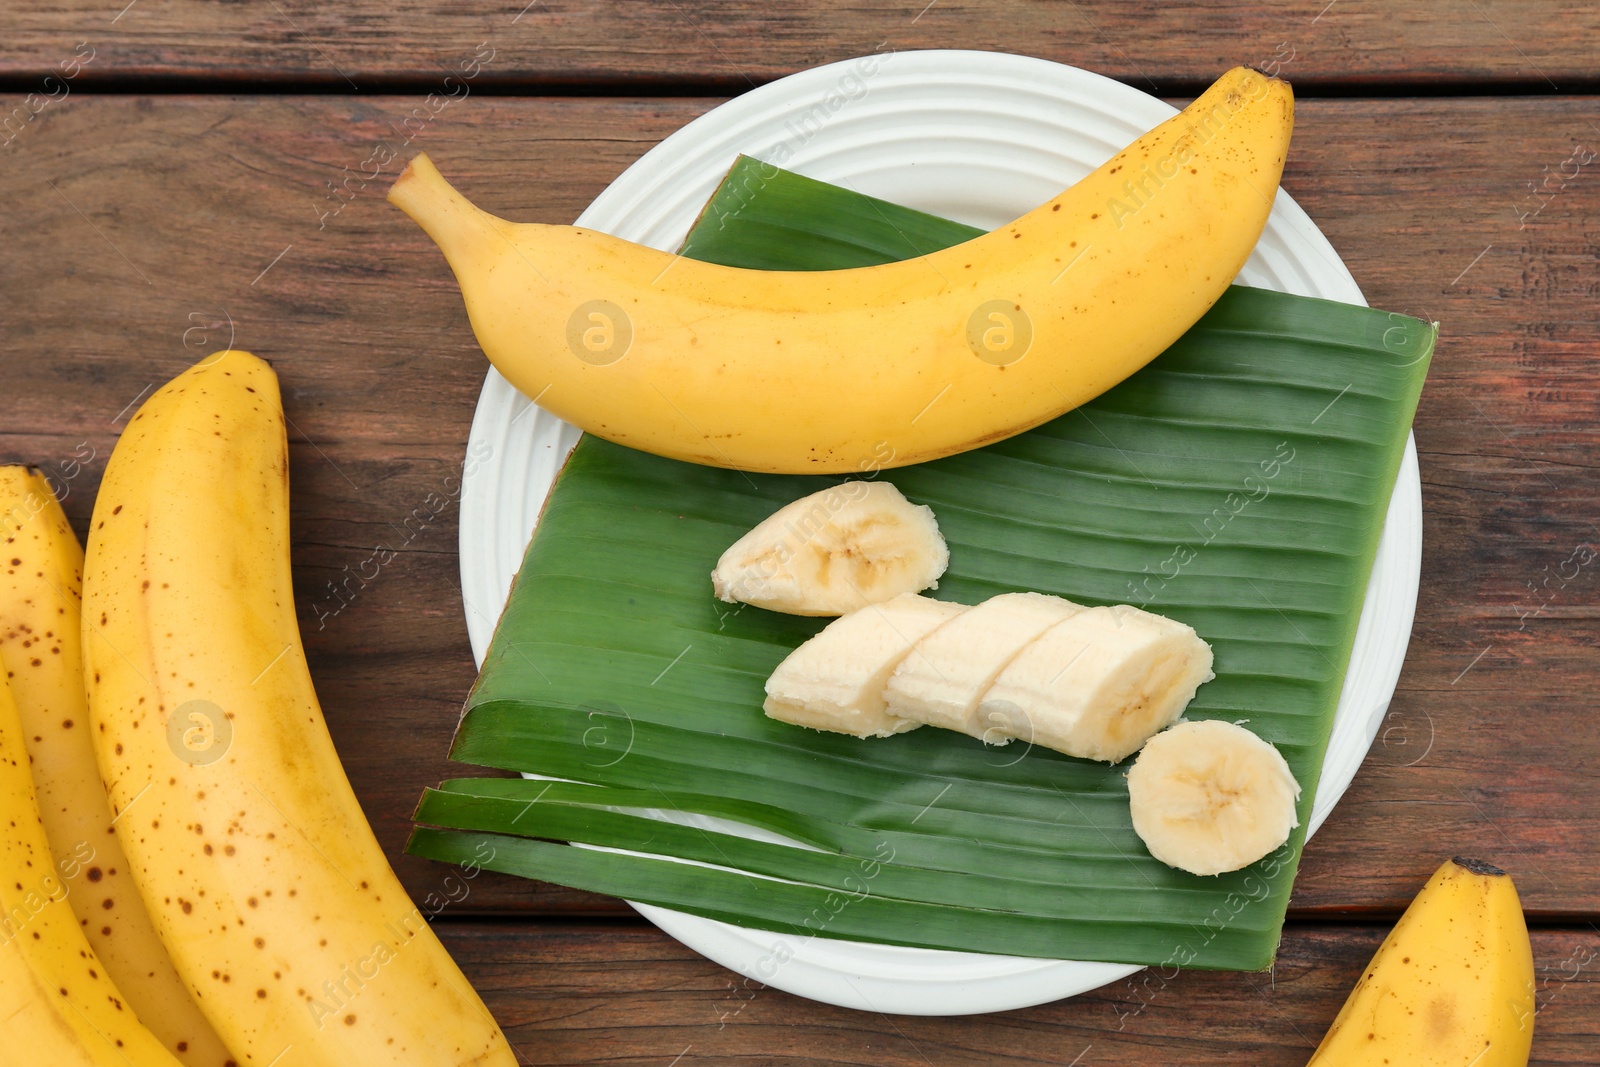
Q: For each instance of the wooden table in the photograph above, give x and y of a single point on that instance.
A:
(169, 188)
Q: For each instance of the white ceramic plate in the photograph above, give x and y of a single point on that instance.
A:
(981, 137)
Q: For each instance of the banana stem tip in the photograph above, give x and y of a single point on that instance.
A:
(455, 224)
(418, 170)
(1478, 866)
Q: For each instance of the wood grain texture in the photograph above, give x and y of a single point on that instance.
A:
(138, 228)
(369, 45)
(627, 994)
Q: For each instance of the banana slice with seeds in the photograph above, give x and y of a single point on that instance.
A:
(834, 552)
(1210, 797)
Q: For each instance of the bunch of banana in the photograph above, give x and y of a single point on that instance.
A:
(58, 1004)
(880, 366)
(41, 647)
(242, 833)
(1451, 986)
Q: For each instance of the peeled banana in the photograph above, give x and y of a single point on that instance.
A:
(833, 552)
(953, 667)
(835, 681)
(881, 366)
(1095, 683)
(1098, 684)
(243, 835)
(1451, 985)
(58, 1005)
(1210, 797)
(41, 648)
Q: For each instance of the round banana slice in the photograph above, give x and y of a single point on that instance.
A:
(1211, 797)
(1099, 684)
(834, 552)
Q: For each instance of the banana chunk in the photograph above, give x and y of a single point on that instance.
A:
(953, 667)
(835, 681)
(1098, 684)
(834, 552)
(1211, 797)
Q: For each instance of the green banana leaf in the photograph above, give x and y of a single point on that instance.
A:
(1239, 484)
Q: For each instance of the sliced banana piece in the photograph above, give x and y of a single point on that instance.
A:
(835, 681)
(948, 672)
(1098, 684)
(833, 552)
(1211, 797)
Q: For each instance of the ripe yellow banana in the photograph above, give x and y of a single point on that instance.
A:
(58, 1006)
(873, 367)
(244, 837)
(1451, 985)
(41, 648)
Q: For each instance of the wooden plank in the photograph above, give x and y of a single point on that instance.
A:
(570, 994)
(730, 45)
(138, 228)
